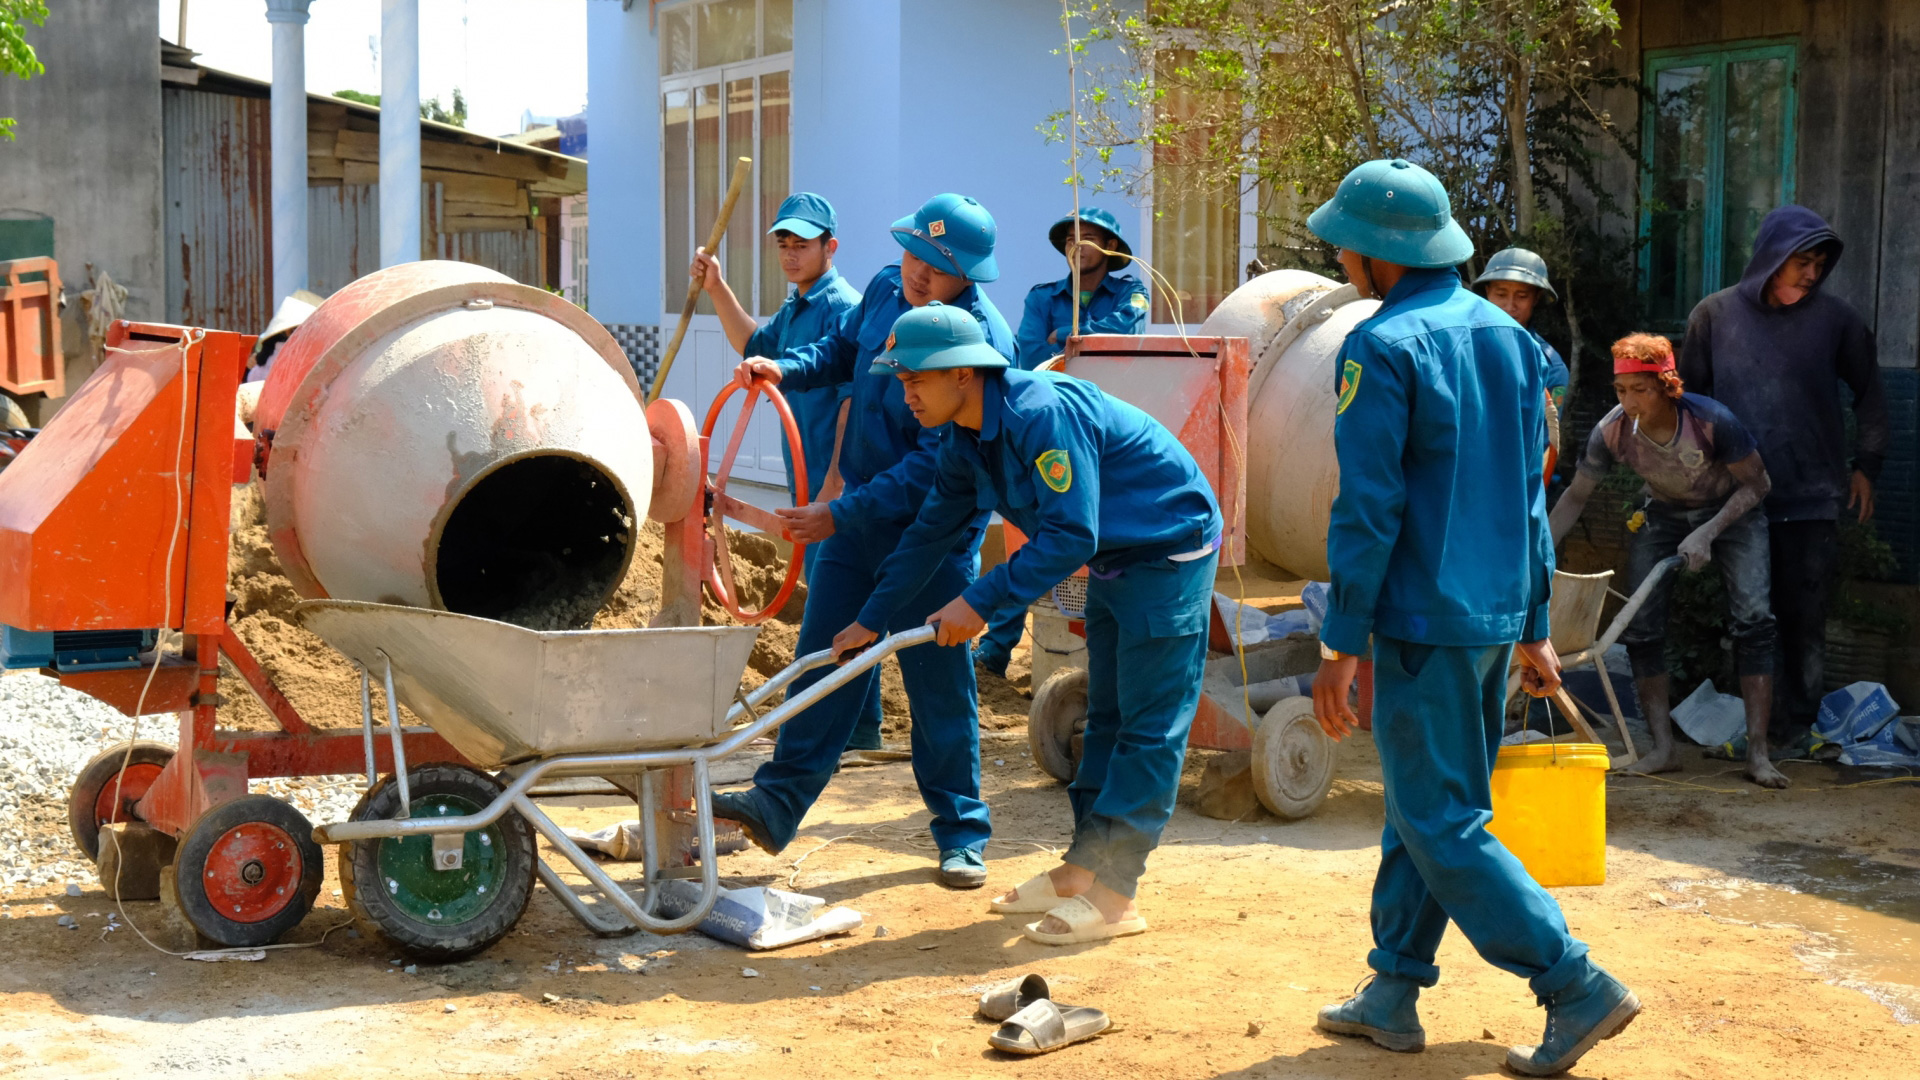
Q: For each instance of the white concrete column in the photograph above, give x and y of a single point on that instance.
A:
(289, 113)
(399, 132)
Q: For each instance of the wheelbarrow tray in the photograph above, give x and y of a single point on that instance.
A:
(501, 693)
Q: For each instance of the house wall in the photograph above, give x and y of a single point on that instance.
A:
(1857, 164)
(87, 153)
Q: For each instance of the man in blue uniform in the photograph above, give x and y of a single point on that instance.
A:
(1514, 281)
(1094, 482)
(1441, 556)
(1109, 304)
(803, 231)
(887, 464)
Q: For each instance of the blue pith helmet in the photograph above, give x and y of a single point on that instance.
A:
(934, 338)
(805, 215)
(1099, 219)
(1516, 264)
(952, 234)
(1394, 211)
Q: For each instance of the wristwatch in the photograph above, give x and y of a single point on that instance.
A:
(1328, 653)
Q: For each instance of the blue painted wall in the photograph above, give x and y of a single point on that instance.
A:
(894, 101)
(623, 213)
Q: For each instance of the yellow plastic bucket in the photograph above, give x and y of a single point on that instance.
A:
(1550, 810)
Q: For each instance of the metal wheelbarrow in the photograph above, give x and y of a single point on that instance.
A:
(441, 858)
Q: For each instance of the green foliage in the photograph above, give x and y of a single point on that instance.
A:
(1697, 643)
(1499, 98)
(1865, 561)
(17, 58)
(456, 114)
(430, 109)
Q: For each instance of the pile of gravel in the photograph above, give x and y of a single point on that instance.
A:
(47, 733)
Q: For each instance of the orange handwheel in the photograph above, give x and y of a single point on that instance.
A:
(719, 568)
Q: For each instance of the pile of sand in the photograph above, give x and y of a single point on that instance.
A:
(325, 687)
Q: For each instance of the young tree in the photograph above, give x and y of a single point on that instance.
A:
(17, 58)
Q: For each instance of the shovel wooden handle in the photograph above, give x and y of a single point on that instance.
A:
(742, 168)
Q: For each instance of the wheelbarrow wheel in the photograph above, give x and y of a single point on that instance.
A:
(1292, 759)
(394, 890)
(96, 800)
(1057, 721)
(247, 871)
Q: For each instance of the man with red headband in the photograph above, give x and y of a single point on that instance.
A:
(1704, 486)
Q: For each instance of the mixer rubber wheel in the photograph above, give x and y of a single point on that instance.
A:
(91, 801)
(247, 871)
(1292, 759)
(1056, 722)
(439, 915)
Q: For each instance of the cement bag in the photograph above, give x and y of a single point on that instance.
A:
(1854, 713)
(759, 918)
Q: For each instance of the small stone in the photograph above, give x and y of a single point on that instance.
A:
(996, 761)
(1719, 1001)
(815, 989)
(411, 969)
(1253, 1028)
(69, 922)
(72, 889)
(449, 1007)
(881, 931)
(749, 973)
(551, 999)
(1486, 1033)
(1243, 916)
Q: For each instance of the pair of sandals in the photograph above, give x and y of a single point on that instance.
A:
(1032, 1022)
(1084, 922)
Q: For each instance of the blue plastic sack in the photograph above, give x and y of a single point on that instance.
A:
(1896, 745)
(1855, 713)
(1314, 596)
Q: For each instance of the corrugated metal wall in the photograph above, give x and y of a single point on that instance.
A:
(218, 191)
(218, 219)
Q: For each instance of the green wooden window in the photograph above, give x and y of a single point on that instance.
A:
(1716, 156)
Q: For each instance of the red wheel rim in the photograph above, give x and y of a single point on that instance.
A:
(252, 872)
(125, 788)
(719, 570)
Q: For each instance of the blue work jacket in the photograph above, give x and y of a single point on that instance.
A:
(886, 458)
(1439, 533)
(802, 320)
(1557, 374)
(1119, 306)
(1090, 479)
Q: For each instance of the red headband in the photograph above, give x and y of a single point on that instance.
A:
(1629, 364)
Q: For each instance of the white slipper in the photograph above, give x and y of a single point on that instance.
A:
(1034, 896)
(1084, 924)
(1002, 1000)
(1044, 1027)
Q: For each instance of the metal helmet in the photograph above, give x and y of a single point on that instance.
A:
(1516, 264)
(1394, 211)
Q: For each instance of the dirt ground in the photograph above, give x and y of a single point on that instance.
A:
(1255, 925)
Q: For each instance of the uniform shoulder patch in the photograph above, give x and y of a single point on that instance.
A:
(1349, 384)
(1055, 470)
(1140, 301)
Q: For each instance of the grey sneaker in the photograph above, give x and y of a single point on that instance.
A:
(1382, 1010)
(1595, 1007)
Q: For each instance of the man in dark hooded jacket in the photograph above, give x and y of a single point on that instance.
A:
(1774, 349)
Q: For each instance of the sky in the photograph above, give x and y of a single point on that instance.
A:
(507, 56)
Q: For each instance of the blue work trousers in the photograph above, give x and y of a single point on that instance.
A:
(1742, 556)
(1437, 720)
(940, 692)
(1146, 650)
(995, 648)
(866, 730)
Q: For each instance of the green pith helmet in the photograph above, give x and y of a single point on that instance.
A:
(1394, 211)
(1516, 264)
(1099, 219)
(954, 235)
(934, 338)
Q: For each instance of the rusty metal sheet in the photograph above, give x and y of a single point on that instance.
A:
(217, 221)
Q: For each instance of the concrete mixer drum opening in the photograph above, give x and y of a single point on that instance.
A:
(541, 540)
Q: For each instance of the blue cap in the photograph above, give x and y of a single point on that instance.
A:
(1395, 211)
(952, 234)
(934, 338)
(805, 215)
(1099, 219)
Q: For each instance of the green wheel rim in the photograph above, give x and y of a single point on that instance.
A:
(443, 897)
